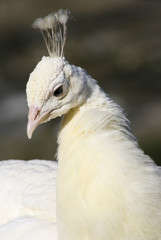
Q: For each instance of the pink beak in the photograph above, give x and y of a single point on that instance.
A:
(35, 119)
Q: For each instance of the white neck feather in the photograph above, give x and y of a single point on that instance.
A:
(98, 113)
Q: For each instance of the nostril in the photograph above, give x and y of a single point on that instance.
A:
(33, 112)
(36, 114)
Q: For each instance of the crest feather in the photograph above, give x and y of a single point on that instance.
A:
(54, 31)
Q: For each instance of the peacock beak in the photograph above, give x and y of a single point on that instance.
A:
(35, 118)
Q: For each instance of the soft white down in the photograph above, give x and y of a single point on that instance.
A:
(27, 200)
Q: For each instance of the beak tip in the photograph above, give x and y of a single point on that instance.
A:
(29, 133)
(30, 129)
(34, 120)
(29, 136)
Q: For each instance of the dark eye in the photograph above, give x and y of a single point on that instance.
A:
(58, 91)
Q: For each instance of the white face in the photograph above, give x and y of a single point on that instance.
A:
(54, 87)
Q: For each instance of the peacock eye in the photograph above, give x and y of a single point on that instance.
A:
(58, 91)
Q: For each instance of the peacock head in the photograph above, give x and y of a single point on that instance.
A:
(54, 86)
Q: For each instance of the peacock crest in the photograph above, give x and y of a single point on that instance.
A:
(54, 31)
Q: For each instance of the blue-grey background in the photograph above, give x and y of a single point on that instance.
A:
(117, 42)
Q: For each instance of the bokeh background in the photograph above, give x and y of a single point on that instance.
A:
(117, 41)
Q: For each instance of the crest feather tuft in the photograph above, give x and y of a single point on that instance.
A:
(54, 31)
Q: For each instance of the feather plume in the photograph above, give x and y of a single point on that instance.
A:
(54, 31)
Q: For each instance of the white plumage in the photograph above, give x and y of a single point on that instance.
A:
(27, 200)
(28, 228)
(107, 188)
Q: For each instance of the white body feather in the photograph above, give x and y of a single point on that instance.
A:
(27, 200)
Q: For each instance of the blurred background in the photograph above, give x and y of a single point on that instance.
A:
(118, 42)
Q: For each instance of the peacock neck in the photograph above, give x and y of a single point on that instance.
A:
(98, 113)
